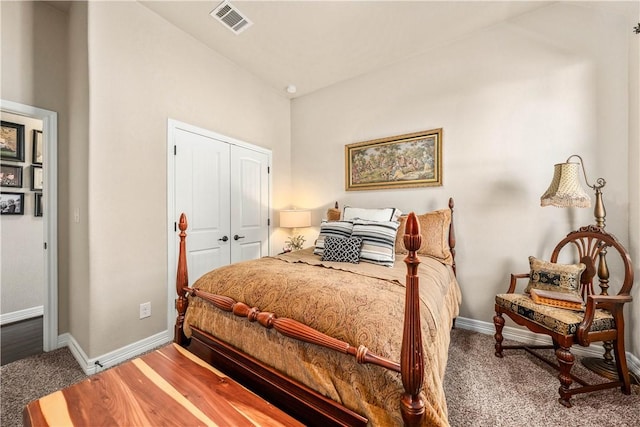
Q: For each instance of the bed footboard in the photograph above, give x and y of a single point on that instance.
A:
(411, 365)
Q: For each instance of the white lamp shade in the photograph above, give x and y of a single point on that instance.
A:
(565, 189)
(294, 218)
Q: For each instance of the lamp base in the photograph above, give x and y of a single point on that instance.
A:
(606, 369)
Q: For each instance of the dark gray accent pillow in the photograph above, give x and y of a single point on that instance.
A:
(342, 249)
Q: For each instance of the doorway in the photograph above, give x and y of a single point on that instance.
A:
(49, 210)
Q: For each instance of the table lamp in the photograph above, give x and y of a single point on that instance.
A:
(294, 219)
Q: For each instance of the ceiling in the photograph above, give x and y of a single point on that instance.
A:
(315, 44)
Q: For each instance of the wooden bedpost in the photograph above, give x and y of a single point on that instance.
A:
(182, 281)
(411, 354)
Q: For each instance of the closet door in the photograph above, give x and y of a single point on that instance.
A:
(202, 191)
(249, 204)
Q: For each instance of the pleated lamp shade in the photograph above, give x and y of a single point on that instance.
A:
(565, 190)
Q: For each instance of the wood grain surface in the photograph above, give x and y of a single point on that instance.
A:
(168, 387)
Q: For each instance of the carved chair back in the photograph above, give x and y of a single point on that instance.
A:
(593, 244)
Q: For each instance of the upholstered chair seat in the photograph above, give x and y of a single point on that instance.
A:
(559, 320)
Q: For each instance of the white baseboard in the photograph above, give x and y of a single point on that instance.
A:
(16, 316)
(528, 337)
(93, 365)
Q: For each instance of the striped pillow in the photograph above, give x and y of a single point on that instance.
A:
(378, 240)
(332, 228)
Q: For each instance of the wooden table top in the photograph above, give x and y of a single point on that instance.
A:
(168, 387)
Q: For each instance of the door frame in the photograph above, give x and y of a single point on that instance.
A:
(50, 214)
(172, 247)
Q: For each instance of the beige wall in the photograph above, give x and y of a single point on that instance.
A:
(129, 71)
(143, 71)
(513, 100)
(74, 167)
(33, 42)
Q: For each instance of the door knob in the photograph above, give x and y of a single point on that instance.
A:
(225, 238)
(236, 237)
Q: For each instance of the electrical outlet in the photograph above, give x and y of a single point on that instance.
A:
(145, 310)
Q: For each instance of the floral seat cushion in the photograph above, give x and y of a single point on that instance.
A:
(559, 320)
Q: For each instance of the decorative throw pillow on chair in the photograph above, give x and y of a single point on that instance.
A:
(554, 277)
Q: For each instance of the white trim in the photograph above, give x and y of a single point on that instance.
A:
(528, 337)
(90, 365)
(50, 220)
(16, 316)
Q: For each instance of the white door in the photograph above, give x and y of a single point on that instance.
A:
(249, 204)
(202, 192)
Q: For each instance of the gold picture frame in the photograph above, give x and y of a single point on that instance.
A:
(410, 160)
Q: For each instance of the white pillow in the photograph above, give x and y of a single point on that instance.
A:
(375, 214)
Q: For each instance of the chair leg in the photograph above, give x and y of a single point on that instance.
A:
(565, 361)
(621, 364)
(498, 321)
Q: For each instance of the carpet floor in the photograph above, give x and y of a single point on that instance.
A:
(481, 389)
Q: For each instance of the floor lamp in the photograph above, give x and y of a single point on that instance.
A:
(566, 191)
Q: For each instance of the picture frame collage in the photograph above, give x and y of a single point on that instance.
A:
(12, 169)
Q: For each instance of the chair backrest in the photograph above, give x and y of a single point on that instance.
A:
(593, 244)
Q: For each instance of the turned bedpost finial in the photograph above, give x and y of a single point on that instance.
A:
(182, 281)
(182, 277)
(411, 354)
(412, 236)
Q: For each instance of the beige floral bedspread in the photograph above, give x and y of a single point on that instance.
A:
(362, 304)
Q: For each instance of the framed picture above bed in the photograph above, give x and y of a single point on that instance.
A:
(410, 160)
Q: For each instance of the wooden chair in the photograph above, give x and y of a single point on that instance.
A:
(601, 320)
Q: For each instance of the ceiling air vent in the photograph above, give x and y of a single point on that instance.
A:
(231, 17)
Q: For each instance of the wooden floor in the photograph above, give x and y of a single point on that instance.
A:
(168, 387)
(20, 339)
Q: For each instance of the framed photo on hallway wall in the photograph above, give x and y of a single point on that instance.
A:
(37, 153)
(410, 160)
(37, 178)
(12, 141)
(11, 175)
(11, 203)
(38, 208)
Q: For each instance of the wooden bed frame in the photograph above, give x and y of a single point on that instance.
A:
(295, 398)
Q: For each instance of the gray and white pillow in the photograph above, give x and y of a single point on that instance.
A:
(332, 228)
(342, 249)
(378, 240)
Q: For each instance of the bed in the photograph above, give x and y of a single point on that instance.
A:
(333, 343)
